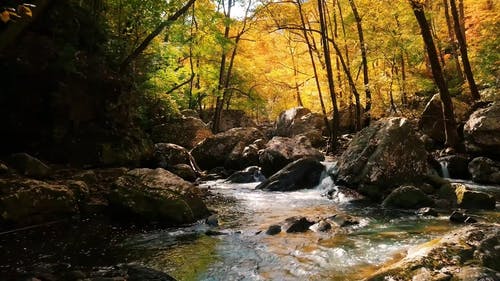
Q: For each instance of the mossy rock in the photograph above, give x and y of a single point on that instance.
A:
(26, 201)
(157, 196)
(473, 199)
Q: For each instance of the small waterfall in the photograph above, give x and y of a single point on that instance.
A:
(326, 180)
(444, 169)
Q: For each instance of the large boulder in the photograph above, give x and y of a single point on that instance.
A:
(301, 174)
(28, 165)
(298, 120)
(235, 118)
(157, 195)
(280, 151)
(215, 151)
(469, 253)
(183, 131)
(485, 170)
(28, 201)
(383, 156)
(407, 197)
(431, 121)
(347, 118)
(482, 132)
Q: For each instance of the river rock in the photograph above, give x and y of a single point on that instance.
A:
(431, 121)
(297, 224)
(407, 197)
(215, 151)
(235, 118)
(28, 201)
(471, 246)
(301, 174)
(473, 199)
(482, 132)
(183, 131)
(485, 170)
(459, 217)
(321, 226)
(280, 151)
(28, 165)
(382, 156)
(273, 229)
(427, 211)
(249, 174)
(157, 195)
(342, 220)
(298, 120)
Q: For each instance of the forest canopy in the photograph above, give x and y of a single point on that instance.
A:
(267, 56)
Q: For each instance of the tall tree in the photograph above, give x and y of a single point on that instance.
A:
(329, 71)
(463, 51)
(362, 45)
(451, 39)
(448, 115)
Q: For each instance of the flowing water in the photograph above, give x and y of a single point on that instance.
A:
(245, 252)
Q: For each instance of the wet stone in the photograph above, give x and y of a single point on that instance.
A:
(273, 229)
(427, 212)
(297, 224)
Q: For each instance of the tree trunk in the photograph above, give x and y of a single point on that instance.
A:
(451, 40)
(463, 50)
(329, 72)
(315, 70)
(448, 116)
(364, 60)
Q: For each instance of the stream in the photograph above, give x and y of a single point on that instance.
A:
(245, 252)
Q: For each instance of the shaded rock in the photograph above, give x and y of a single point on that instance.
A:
(184, 171)
(485, 170)
(301, 174)
(28, 165)
(431, 122)
(297, 224)
(298, 120)
(407, 197)
(473, 199)
(214, 151)
(273, 229)
(315, 137)
(380, 157)
(27, 201)
(140, 273)
(280, 151)
(482, 131)
(456, 165)
(427, 211)
(169, 154)
(212, 220)
(157, 195)
(250, 174)
(235, 118)
(460, 249)
(185, 131)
